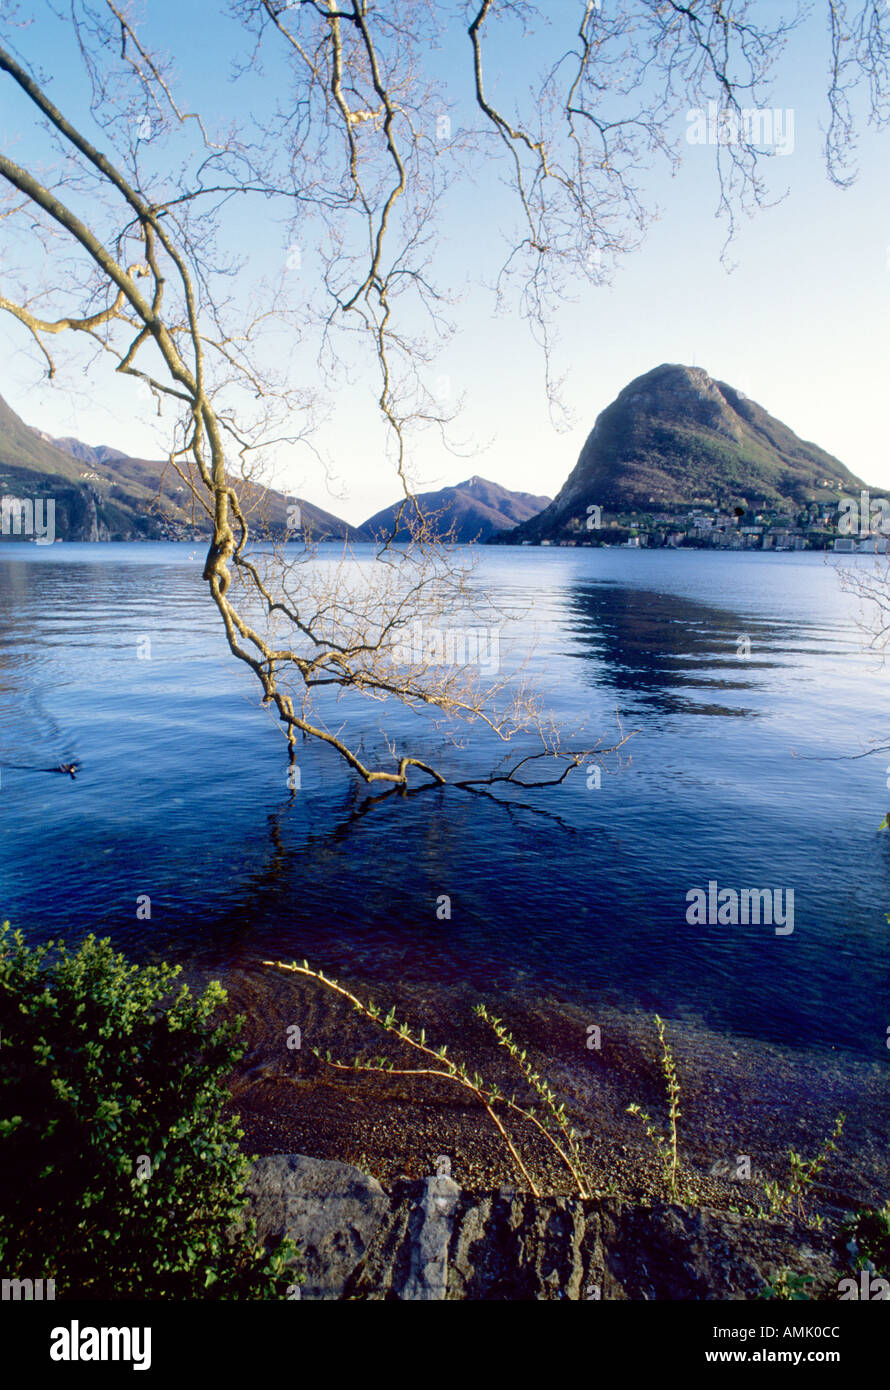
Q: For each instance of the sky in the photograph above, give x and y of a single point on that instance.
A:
(799, 324)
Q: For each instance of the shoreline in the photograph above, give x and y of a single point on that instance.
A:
(738, 1098)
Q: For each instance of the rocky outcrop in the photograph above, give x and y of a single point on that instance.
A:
(430, 1240)
(332, 1209)
(95, 528)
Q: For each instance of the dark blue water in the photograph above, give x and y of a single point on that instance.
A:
(740, 773)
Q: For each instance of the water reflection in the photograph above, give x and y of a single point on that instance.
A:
(657, 646)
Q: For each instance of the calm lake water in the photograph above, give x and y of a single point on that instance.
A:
(740, 773)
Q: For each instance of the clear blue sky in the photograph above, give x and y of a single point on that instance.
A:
(800, 324)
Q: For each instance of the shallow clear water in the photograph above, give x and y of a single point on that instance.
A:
(579, 890)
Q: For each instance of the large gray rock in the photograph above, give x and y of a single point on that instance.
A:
(429, 1240)
(332, 1209)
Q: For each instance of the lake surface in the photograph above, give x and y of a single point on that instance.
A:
(742, 772)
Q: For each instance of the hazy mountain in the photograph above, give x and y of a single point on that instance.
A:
(103, 494)
(675, 437)
(473, 511)
(95, 457)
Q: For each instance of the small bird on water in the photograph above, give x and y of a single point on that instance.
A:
(71, 768)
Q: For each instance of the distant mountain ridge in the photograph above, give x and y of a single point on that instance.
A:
(100, 456)
(475, 510)
(676, 438)
(673, 439)
(101, 493)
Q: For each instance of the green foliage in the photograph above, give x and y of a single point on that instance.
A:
(868, 1232)
(666, 1144)
(553, 1111)
(122, 1176)
(786, 1285)
(803, 1176)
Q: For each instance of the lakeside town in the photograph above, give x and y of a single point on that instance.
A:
(817, 526)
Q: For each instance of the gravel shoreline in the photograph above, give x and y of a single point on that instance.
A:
(739, 1098)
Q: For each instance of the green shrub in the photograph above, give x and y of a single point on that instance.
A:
(791, 1287)
(121, 1174)
(868, 1232)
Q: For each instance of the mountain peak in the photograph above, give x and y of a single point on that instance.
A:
(677, 437)
(474, 510)
(683, 394)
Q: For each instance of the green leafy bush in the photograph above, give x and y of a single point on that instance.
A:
(121, 1174)
(788, 1286)
(867, 1237)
